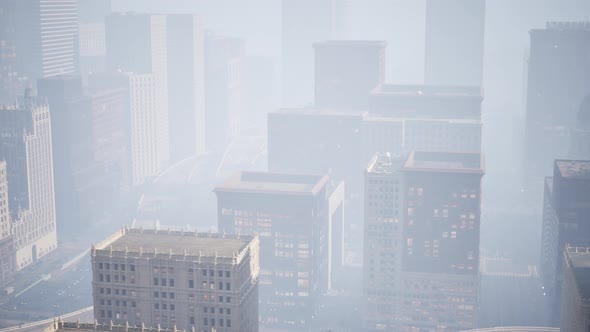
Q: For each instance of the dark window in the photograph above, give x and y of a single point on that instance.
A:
(191, 284)
(205, 309)
(155, 281)
(220, 273)
(102, 313)
(228, 299)
(204, 273)
(227, 274)
(116, 291)
(164, 306)
(164, 295)
(221, 322)
(221, 299)
(133, 304)
(109, 314)
(102, 291)
(124, 292)
(227, 286)
(163, 281)
(211, 273)
(116, 267)
(124, 303)
(156, 294)
(228, 323)
(156, 306)
(205, 321)
(108, 278)
(172, 306)
(171, 282)
(100, 266)
(212, 321)
(228, 311)
(220, 286)
(101, 277)
(171, 295)
(192, 320)
(131, 267)
(122, 267)
(108, 291)
(108, 266)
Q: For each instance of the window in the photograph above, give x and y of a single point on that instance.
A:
(227, 286)
(227, 274)
(100, 266)
(108, 266)
(108, 278)
(220, 273)
(124, 292)
(132, 268)
(191, 284)
(102, 291)
(108, 291)
(205, 321)
(116, 267)
(164, 306)
(211, 273)
(156, 306)
(164, 294)
(228, 311)
(228, 323)
(220, 286)
(116, 291)
(133, 304)
(171, 295)
(163, 281)
(221, 299)
(212, 321)
(204, 273)
(122, 267)
(155, 281)
(172, 307)
(101, 277)
(171, 282)
(221, 322)
(205, 309)
(192, 320)
(227, 299)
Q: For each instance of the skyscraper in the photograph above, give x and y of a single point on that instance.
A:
(223, 56)
(25, 145)
(137, 44)
(305, 22)
(575, 305)
(558, 71)
(186, 85)
(6, 244)
(299, 220)
(422, 218)
(565, 215)
(176, 279)
(346, 72)
(454, 42)
(40, 39)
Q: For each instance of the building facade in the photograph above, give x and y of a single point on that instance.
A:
(557, 86)
(176, 279)
(25, 145)
(575, 296)
(346, 72)
(186, 85)
(299, 221)
(454, 49)
(6, 245)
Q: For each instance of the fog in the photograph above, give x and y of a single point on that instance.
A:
(384, 165)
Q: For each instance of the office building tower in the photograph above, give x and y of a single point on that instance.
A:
(558, 83)
(25, 145)
(454, 48)
(575, 305)
(299, 221)
(137, 44)
(441, 239)
(92, 48)
(176, 280)
(324, 20)
(223, 56)
(39, 39)
(6, 244)
(71, 127)
(565, 213)
(580, 135)
(383, 241)
(186, 85)
(346, 72)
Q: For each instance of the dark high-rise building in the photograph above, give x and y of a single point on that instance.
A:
(575, 290)
(454, 42)
(177, 280)
(223, 56)
(565, 220)
(25, 145)
(299, 221)
(346, 72)
(39, 39)
(186, 85)
(305, 22)
(422, 241)
(558, 71)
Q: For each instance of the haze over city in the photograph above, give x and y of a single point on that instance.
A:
(294, 165)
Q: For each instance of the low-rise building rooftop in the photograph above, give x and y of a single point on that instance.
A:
(453, 162)
(574, 169)
(274, 183)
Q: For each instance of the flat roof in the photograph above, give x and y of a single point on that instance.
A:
(580, 262)
(454, 162)
(418, 90)
(176, 242)
(496, 266)
(274, 183)
(573, 169)
(385, 163)
(319, 112)
(351, 43)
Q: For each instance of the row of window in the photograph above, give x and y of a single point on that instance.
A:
(115, 266)
(118, 303)
(116, 291)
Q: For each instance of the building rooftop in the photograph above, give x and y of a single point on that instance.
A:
(175, 243)
(77, 326)
(427, 91)
(573, 169)
(579, 258)
(351, 43)
(453, 162)
(568, 26)
(496, 266)
(318, 112)
(274, 183)
(386, 163)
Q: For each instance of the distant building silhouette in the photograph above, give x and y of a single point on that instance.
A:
(558, 82)
(223, 56)
(565, 213)
(305, 22)
(176, 279)
(186, 85)
(299, 221)
(454, 49)
(25, 145)
(346, 72)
